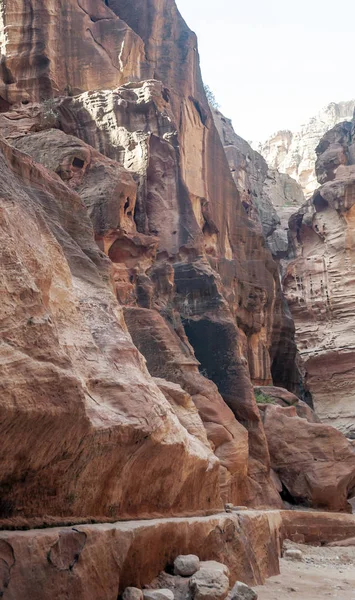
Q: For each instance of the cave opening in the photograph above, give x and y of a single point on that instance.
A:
(286, 496)
(319, 203)
(78, 163)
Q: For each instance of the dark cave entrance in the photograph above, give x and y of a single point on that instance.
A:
(210, 342)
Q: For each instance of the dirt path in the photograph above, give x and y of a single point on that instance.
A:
(323, 573)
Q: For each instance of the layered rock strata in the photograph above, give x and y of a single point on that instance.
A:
(90, 561)
(269, 197)
(294, 153)
(199, 289)
(319, 281)
(134, 243)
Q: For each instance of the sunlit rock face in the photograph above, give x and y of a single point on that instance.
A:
(168, 306)
(293, 153)
(114, 109)
(320, 283)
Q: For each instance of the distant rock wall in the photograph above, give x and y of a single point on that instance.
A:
(319, 283)
(293, 153)
(268, 196)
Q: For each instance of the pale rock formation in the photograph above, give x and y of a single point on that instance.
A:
(293, 153)
(132, 593)
(186, 565)
(319, 283)
(211, 582)
(161, 594)
(293, 554)
(241, 591)
(268, 196)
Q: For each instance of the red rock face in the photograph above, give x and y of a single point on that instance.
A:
(168, 267)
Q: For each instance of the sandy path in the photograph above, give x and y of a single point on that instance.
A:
(323, 573)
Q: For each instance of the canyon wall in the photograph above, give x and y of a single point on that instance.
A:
(141, 302)
(196, 287)
(293, 153)
(268, 196)
(319, 283)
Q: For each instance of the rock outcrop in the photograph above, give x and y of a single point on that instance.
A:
(319, 283)
(99, 561)
(294, 153)
(314, 462)
(141, 303)
(268, 196)
(134, 139)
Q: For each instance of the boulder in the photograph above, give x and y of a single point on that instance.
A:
(241, 591)
(314, 462)
(132, 593)
(186, 565)
(293, 554)
(211, 582)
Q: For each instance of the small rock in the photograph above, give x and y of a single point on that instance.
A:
(132, 593)
(293, 554)
(158, 594)
(186, 565)
(228, 508)
(241, 591)
(211, 582)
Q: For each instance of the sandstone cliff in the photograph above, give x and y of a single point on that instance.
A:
(268, 196)
(141, 303)
(294, 153)
(319, 283)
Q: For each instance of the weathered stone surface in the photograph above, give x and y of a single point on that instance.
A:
(294, 153)
(186, 565)
(162, 594)
(132, 593)
(108, 98)
(116, 555)
(285, 398)
(241, 591)
(62, 387)
(315, 462)
(343, 543)
(209, 583)
(188, 263)
(293, 554)
(319, 282)
(268, 197)
(316, 527)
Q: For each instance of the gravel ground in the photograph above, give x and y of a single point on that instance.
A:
(324, 572)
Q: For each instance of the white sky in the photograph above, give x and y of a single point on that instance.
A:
(272, 64)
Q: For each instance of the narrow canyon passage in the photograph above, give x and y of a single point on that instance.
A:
(176, 319)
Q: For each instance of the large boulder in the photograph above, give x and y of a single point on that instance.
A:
(186, 565)
(315, 462)
(211, 582)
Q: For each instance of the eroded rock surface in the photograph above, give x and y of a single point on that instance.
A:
(128, 256)
(319, 282)
(315, 462)
(200, 291)
(294, 153)
(269, 197)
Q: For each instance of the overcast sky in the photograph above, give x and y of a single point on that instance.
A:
(272, 64)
